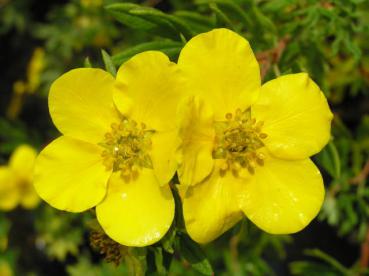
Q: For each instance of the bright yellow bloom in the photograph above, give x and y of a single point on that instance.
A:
(118, 147)
(34, 69)
(246, 147)
(20, 87)
(5, 269)
(16, 180)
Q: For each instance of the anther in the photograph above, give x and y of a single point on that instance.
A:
(237, 142)
(126, 148)
(263, 135)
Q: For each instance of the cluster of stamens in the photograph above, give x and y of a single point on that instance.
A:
(111, 250)
(237, 142)
(126, 148)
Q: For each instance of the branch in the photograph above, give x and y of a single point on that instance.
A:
(272, 56)
(362, 175)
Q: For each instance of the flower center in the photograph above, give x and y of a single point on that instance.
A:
(126, 148)
(237, 142)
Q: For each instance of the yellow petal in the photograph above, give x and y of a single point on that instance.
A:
(197, 135)
(148, 90)
(29, 199)
(22, 161)
(69, 175)
(81, 104)
(163, 155)
(211, 207)
(5, 269)
(9, 194)
(221, 67)
(283, 196)
(296, 116)
(137, 213)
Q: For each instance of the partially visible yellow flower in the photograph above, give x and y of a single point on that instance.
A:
(3, 243)
(246, 147)
(5, 269)
(34, 69)
(16, 180)
(91, 3)
(20, 87)
(118, 147)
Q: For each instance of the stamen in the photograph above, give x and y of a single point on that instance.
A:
(126, 148)
(238, 141)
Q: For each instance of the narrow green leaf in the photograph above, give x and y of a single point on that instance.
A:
(87, 63)
(146, 18)
(197, 22)
(194, 254)
(231, 7)
(169, 47)
(328, 259)
(120, 11)
(221, 16)
(164, 19)
(335, 158)
(109, 65)
(160, 268)
(168, 240)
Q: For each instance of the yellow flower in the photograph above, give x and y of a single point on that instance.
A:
(34, 69)
(16, 180)
(117, 149)
(246, 147)
(20, 88)
(5, 269)
(91, 3)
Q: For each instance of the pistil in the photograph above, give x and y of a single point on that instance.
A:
(238, 142)
(126, 148)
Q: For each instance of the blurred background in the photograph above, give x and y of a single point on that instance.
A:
(39, 40)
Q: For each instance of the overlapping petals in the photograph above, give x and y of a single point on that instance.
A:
(284, 194)
(16, 180)
(197, 133)
(70, 173)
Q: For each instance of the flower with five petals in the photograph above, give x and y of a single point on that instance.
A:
(117, 148)
(16, 180)
(246, 147)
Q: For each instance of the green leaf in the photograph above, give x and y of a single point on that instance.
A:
(147, 18)
(197, 22)
(109, 65)
(163, 18)
(160, 268)
(234, 10)
(135, 259)
(169, 47)
(194, 254)
(311, 268)
(327, 259)
(168, 240)
(120, 11)
(329, 159)
(221, 16)
(87, 63)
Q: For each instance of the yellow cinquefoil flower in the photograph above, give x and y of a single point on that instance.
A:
(5, 269)
(117, 149)
(16, 180)
(246, 147)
